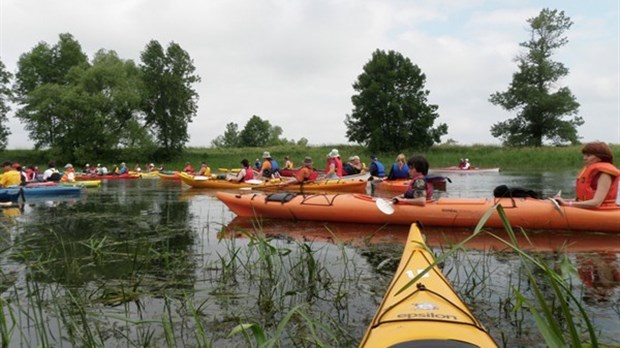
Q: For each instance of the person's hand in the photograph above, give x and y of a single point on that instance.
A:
(395, 200)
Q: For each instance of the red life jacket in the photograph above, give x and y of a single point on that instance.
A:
(337, 165)
(587, 183)
(313, 175)
(249, 174)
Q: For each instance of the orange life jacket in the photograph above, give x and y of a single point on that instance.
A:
(587, 183)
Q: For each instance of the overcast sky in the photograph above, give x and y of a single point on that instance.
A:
(293, 62)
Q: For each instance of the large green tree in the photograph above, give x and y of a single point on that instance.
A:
(5, 95)
(544, 112)
(170, 102)
(40, 83)
(256, 132)
(390, 109)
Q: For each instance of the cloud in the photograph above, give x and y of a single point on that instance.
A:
(294, 62)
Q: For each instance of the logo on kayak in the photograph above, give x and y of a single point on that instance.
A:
(425, 306)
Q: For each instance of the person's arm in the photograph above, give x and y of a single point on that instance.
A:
(602, 187)
(417, 194)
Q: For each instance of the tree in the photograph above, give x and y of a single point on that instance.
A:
(256, 132)
(170, 102)
(230, 137)
(391, 110)
(41, 80)
(542, 114)
(5, 95)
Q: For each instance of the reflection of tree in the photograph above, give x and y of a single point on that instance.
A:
(600, 273)
(141, 236)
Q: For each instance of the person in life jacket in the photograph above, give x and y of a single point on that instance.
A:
(69, 174)
(376, 168)
(306, 172)
(399, 169)
(420, 190)
(597, 183)
(334, 167)
(246, 173)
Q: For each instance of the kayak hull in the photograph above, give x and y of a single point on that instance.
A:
(428, 312)
(528, 213)
(81, 183)
(106, 177)
(46, 191)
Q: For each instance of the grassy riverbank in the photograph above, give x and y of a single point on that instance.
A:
(527, 158)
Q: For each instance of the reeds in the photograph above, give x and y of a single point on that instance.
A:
(260, 291)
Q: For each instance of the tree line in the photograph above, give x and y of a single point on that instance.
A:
(81, 109)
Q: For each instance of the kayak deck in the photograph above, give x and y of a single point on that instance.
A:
(421, 309)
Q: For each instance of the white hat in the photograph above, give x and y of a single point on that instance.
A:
(69, 165)
(333, 153)
(266, 154)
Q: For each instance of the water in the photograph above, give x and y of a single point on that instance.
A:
(150, 251)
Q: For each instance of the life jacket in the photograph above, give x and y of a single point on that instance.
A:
(275, 167)
(587, 183)
(399, 173)
(313, 176)
(339, 168)
(249, 174)
(377, 169)
(427, 183)
(67, 174)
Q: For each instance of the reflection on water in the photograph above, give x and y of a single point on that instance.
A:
(145, 248)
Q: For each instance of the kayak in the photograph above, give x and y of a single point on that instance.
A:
(81, 183)
(46, 191)
(401, 185)
(428, 313)
(168, 175)
(106, 177)
(145, 175)
(528, 213)
(337, 185)
(456, 169)
(10, 195)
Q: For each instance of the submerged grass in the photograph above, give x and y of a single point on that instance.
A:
(258, 291)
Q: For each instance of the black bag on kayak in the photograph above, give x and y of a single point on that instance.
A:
(514, 192)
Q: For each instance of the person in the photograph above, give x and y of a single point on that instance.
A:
(246, 173)
(150, 168)
(466, 165)
(22, 173)
(161, 168)
(266, 170)
(204, 170)
(306, 172)
(288, 164)
(188, 168)
(137, 168)
(353, 166)
(101, 170)
(86, 169)
(69, 174)
(122, 169)
(31, 173)
(334, 167)
(257, 164)
(399, 169)
(51, 173)
(419, 190)
(10, 176)
(376, 168)
(597, 183)
(461, 163)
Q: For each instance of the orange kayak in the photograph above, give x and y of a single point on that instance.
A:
(528, 213)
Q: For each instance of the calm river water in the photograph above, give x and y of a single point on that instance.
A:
(141, 263)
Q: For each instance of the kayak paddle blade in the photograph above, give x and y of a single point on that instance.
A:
(386, 207)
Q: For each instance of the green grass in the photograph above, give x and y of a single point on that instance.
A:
(521, 159)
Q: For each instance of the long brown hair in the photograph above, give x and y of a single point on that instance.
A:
(600, 150)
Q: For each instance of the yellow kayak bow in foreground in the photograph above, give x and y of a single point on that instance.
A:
(428, 313)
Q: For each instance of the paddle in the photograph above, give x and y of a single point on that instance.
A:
(385, 206)
(556, 204)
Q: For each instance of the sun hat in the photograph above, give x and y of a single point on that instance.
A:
(68, 165)
(307, 161)
(334, 153)
(266, 154)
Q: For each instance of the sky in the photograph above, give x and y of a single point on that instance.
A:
(293, 62)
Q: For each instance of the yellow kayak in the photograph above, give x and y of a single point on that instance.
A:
(81, 183)
(428, 313)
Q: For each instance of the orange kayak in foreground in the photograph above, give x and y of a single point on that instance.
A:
(428, 313)
(528, 213)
